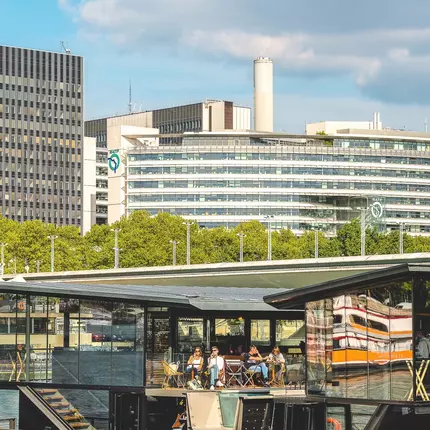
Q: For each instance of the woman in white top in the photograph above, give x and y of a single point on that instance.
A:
(216, 368)
(195, 362)
(277, 360)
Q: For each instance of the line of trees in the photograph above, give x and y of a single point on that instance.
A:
(146, 241)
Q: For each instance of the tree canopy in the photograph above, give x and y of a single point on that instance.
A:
(146, 241)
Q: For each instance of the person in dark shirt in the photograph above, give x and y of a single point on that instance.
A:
(254, 362)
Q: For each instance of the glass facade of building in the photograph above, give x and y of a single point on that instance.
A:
(41, 132)
(224, 180)
(371, 344)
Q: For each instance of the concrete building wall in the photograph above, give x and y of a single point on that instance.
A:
(263, 95)
(241, 118)
(89, 184)
(337, 127)
(140, 119)
(117, 180)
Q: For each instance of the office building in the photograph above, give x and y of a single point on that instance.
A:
(222, 179)
(339, 127)
(210, 115)
(41, 131)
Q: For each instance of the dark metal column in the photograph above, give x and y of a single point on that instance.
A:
(27, 337)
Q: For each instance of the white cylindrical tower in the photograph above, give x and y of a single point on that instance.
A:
(263, 94)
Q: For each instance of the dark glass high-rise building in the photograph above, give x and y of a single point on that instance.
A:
(41, 135)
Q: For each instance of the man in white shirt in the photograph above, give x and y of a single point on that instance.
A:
(423, 346)
(216, 368)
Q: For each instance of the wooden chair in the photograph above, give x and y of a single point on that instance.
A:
(251, 376)
(278, 381)
(171, 373)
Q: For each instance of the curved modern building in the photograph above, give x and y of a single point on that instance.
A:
(304, 182)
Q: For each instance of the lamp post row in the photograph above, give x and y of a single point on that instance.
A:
(188, 255)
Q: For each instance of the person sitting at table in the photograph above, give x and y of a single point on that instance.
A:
(277, 360)
(195, 363)
(254, 362)
(216, 366)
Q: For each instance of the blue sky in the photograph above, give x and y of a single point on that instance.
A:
(332, 60)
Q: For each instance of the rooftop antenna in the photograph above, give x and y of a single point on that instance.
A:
(425, 124)
(129, 98)
(66, 50)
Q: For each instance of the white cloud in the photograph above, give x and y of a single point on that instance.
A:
(385, 63)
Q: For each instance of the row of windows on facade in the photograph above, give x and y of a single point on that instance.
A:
(38, 133)
(41, 198)
(282, 212)
(47, 120)
(37, 205)
(40, 64)
(43, 162)
(280, 184)
(339, 143)
(288, 156)
(67, 107)
(50, 220)
(180, 126)
(39, 191)
(31, 176)
(74, 92)
(325, 226)
(61, 146)
(278, 170)
(266, 197)
(31, 182)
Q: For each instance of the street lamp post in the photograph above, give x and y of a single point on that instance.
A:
(363, 231)
(316, 243)
(401, 228)
(116, 248)
(188, 224)
(52, 252)
(174, 243)
(269, 236)
(2, 245)
(241, 236)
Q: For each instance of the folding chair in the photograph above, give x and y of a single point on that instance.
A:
(170, 372)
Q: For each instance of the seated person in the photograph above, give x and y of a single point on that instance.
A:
(254, 362)
(276, 359)
(195, 362)
(216, 366)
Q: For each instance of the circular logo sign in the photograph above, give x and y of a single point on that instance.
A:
(114, 162)
(376, 210)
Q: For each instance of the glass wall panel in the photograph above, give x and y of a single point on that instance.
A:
(230, 334)
(340, 346)
(422, 337)
(379, 343)
(63, 339)
(260, 332)
(39, 363)
(401, 340)
(319, 315)
(356, 333)
(127, 344)
(290, 332)
(95, 342)
(8, 310)
(190, 334)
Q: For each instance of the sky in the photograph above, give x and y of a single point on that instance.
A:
(334, 60)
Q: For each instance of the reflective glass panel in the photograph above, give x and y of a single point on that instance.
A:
(260, 332)
(190, 333)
